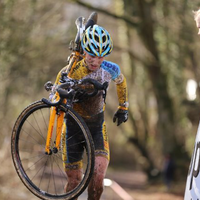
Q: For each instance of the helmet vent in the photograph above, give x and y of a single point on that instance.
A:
(97, 41)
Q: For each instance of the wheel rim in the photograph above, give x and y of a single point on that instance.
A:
(43, 174)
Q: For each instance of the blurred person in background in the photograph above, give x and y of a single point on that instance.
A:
(168, 170)
(197, 19)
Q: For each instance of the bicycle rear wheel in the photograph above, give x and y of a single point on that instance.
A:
(44, 175)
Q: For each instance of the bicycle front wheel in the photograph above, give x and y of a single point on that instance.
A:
(44, 175)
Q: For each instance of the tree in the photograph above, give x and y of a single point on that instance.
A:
(164, 44)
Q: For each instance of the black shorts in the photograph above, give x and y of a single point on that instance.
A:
(98, 131)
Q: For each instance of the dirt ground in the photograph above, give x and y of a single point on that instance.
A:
(133, 183)
(158, 193)
(139, 195)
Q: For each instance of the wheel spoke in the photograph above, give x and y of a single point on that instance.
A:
(35, 130)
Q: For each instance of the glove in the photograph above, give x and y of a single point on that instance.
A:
(120, 116)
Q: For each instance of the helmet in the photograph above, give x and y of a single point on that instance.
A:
(96, 41)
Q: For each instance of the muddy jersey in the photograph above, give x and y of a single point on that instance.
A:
(107, 72)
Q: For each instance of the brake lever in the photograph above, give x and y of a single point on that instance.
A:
(48, 86)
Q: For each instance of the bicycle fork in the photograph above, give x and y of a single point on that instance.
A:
(60, 114)
(54, 112)
(59, 121)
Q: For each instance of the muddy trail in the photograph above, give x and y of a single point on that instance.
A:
(132, 184)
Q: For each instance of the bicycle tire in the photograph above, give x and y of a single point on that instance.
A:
(36, 169)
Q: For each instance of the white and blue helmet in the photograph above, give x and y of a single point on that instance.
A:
(96, 41)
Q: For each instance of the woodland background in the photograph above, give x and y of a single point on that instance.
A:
(155, 44)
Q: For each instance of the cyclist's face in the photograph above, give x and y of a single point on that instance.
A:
(93, 62)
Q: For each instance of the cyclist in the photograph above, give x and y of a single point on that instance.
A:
(96, 44)
(197, 19)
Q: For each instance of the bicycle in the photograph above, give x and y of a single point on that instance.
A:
(38, 158)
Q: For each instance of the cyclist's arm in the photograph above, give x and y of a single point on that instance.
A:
(120, 80)
(122, 92)
(114, 70)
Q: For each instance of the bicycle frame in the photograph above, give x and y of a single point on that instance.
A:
(74, 58)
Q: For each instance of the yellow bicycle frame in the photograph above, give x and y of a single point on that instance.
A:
(74, 58)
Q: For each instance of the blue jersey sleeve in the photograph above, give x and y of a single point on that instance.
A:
(112, 68)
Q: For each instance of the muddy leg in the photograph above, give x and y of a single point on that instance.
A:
(95, 188)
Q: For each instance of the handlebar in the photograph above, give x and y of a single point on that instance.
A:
(51, 103)
(68, 89)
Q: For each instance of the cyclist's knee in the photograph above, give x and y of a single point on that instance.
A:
(101, 164)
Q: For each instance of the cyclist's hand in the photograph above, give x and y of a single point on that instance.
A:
(120, 116)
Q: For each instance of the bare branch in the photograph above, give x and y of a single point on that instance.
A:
(126, 19)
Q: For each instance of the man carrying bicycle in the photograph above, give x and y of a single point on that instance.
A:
(96, 44)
